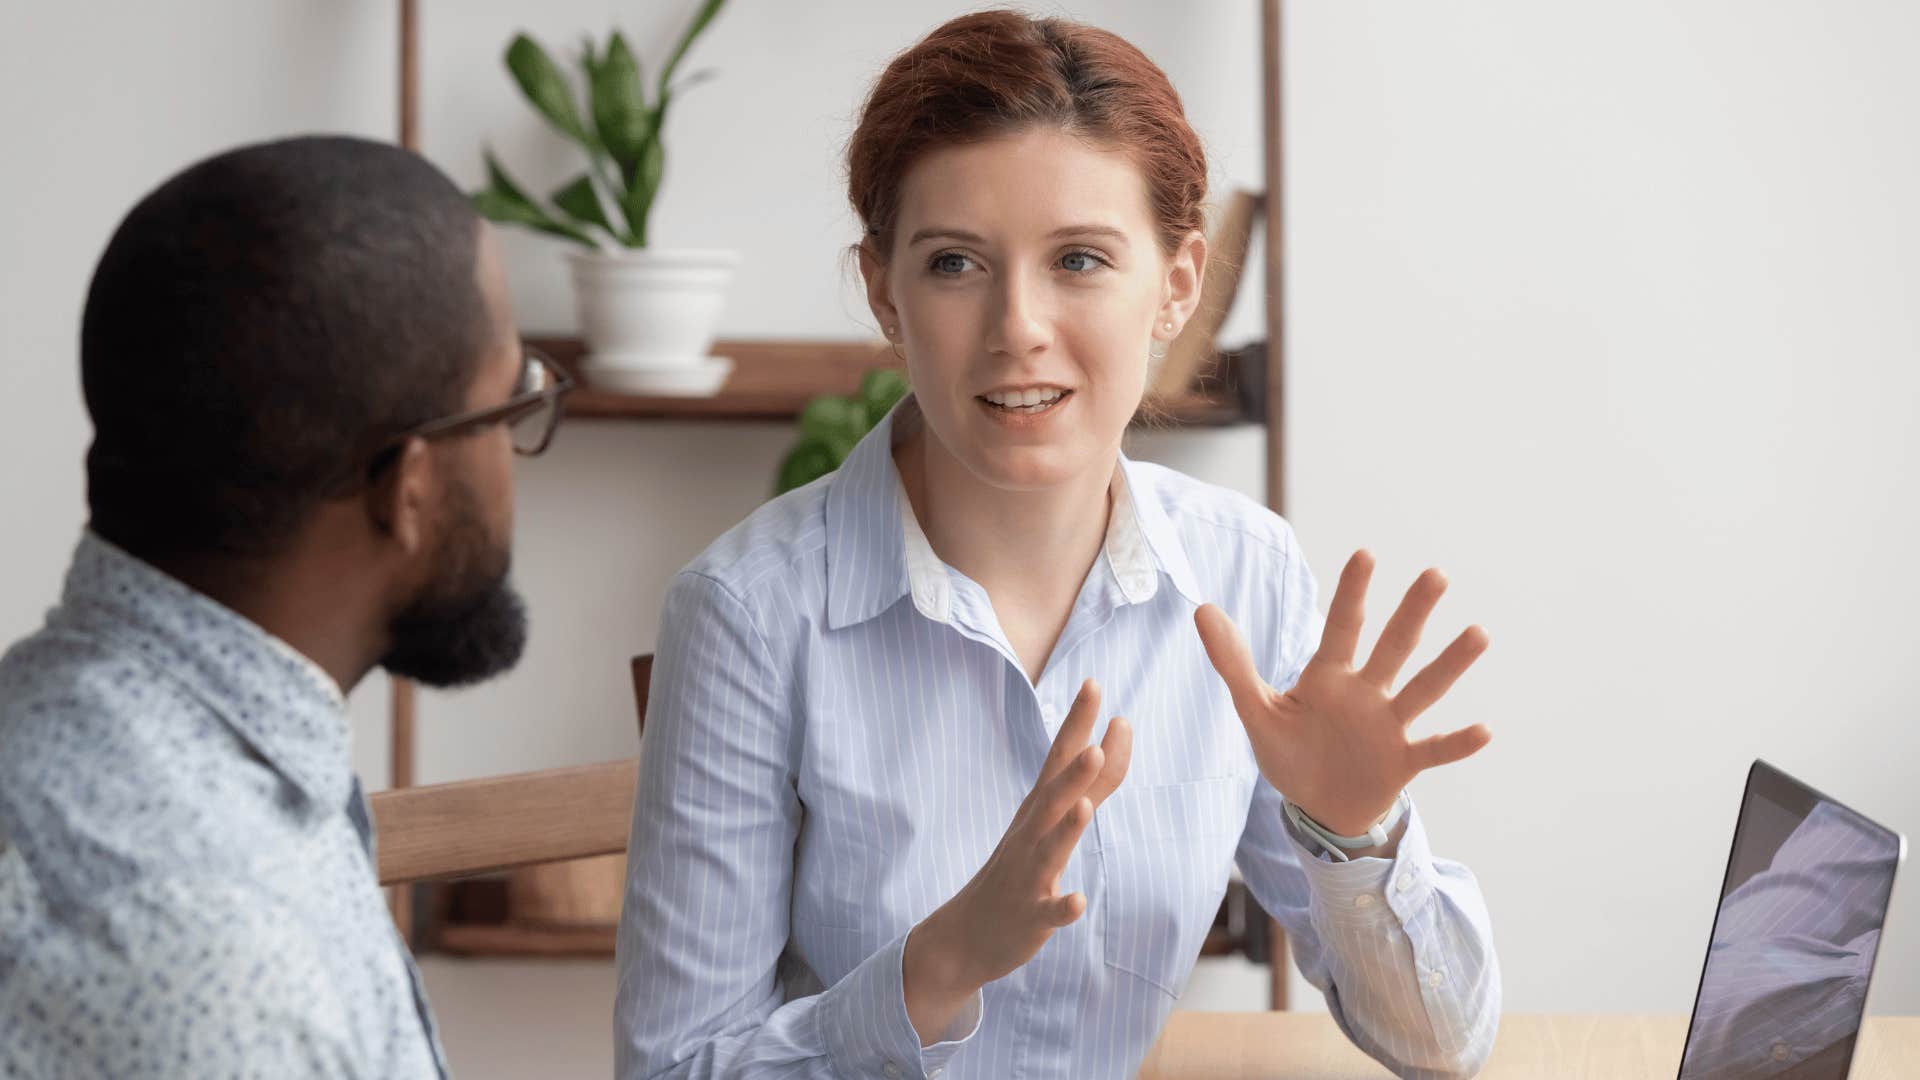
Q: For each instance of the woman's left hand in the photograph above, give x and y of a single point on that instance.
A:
(1336, 743)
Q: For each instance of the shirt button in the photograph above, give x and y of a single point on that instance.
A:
(1434, 978)
(1781, 1052)
(1049, 713)
(1363, 900)
(891, 1071)
(1405, 882)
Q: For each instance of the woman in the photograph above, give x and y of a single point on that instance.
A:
(884, 825)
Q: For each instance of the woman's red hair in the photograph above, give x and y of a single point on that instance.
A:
(996, 73)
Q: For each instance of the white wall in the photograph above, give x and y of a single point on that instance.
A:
(1610, 310)
(1605, 309)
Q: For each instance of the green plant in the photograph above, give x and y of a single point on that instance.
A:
(830, 425)
(619, 130)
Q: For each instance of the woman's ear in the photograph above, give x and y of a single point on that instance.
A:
(399, 499)
(1186, 271)
(879, 294)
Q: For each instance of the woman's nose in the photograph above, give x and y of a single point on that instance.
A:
(1019, 323)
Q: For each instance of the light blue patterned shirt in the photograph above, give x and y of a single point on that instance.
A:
(839, 734)
(186, 881)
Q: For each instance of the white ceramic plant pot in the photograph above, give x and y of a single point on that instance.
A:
(648, 317)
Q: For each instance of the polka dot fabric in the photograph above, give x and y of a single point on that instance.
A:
(186, 879)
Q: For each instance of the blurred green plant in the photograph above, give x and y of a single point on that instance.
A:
(830, 425)
(619, 131)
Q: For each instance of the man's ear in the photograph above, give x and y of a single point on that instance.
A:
(399, 498)
(1186, 271)
(879, 293)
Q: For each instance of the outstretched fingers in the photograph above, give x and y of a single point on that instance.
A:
(1402, 633)
(1348, 610)
(1433, 681)
(1117, 749)
(1074, 731)
(1431, 753)
(1228, 652)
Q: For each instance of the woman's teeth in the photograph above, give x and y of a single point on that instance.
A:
(1030, 401)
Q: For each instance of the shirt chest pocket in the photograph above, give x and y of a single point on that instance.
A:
(1164, 857)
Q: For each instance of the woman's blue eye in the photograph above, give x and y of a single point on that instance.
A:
(950, 262)
(1087, 262)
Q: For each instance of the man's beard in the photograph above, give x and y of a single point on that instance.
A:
(468, 624)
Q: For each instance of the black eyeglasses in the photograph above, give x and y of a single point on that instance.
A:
(531, 414)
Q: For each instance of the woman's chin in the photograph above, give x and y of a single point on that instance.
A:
(1033, 468)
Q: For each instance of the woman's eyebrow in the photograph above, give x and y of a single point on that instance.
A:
(1104, 231)
(942, 232)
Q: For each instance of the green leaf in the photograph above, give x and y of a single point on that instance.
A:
(504, 201)
(831, 426)
(619, 111)
(880, 390)
(509, 208)
(700, 20)
(540, 80)
(645, 185)
(497, 176)
(579, 200)
(833, 420)
(805, 463)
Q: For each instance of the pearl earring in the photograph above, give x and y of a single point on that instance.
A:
(892, 330)
(1168, 325)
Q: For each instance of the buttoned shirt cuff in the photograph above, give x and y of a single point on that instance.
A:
(1369, 892)
(867, 1032)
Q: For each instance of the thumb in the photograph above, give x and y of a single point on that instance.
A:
(1230, 657)
(1059, 911)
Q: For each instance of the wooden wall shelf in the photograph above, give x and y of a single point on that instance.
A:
(774, 380)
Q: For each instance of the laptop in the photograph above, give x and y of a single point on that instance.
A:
(1805, 897)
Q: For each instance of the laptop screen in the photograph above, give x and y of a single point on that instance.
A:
(1793, 944)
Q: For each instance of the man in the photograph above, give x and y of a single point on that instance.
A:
(306, 388)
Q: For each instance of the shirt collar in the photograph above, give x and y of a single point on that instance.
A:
(280, 702)
(877, 552)
(1141, 541)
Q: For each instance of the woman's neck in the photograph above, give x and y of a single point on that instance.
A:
(1030, 550)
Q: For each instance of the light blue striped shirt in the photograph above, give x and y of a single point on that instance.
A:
(839, 734)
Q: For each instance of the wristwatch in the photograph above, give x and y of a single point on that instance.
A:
(1337, 845)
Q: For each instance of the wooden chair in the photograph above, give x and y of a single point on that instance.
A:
(431, 835)
(472, 827)
(476, 826)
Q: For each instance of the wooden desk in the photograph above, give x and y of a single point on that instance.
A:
(1572, 1046)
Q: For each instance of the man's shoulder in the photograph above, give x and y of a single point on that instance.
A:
(111, 772)
(178, 974)
(83, 709)
(71, 704)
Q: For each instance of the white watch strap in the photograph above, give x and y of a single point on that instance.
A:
(1337, 845)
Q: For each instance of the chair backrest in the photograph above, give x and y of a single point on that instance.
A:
(642, 681)
(500, 822)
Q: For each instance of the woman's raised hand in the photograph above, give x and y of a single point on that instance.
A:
(1336, 744)
(1000, 919)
